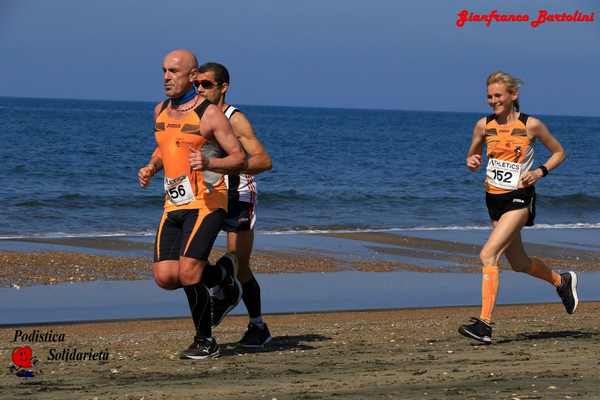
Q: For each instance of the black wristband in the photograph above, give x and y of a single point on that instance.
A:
(544, 170)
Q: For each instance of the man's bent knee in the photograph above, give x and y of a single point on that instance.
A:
(190, 270)
(166, 281)
(167, 284)
(166, 275)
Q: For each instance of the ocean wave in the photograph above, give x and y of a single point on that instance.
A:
(353, 197)
(575, 200)
(76, 200)
(65, 235)
(317, 230)
(298, 231)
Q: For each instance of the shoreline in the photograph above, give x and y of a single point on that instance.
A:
(30, 262)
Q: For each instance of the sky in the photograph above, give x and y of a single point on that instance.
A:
(381, 54)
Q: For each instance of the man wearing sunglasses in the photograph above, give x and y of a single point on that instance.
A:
(195, 146)
(213, 83)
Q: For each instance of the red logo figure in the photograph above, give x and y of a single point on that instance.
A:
(21, 357)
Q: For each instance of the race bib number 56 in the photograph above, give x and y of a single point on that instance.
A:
(179, 190)
(503, 174)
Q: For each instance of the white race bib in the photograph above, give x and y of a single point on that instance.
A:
(504, 174)
(179, 190)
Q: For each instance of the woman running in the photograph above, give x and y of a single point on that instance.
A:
(509, 136)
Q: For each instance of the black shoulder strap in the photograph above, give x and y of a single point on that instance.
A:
(201, 108)
(230, 110)
(164, 105)
(523, 118)
(490, 118)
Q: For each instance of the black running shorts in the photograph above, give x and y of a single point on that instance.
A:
(240, 216)
(189, 233)
(498, 204)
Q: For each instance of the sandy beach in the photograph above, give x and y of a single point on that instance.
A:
(539, 353)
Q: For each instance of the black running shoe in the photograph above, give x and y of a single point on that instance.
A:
(478, 330)
(201, 349)
(256, 337)
(231, 289)
(568, 291)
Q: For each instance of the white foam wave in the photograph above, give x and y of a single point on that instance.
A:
(65, 235)
(424, 228)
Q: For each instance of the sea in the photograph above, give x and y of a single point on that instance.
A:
(69, 170)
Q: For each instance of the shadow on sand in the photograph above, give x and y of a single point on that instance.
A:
(543, 335)
(278, 343)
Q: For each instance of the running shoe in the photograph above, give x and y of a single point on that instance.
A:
(478, 330)
(568, 291)
(201, 349)
(230, 291)
(256, 337)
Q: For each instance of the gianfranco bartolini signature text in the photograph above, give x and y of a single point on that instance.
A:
(542, 17)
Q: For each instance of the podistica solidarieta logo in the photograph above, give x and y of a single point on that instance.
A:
(25, 364)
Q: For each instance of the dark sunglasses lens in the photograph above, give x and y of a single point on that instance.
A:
(207, 84)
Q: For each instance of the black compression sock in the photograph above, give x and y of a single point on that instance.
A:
(199, 301)
(251, 297)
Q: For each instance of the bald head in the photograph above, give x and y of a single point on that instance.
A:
(179, 69)
(184, 57)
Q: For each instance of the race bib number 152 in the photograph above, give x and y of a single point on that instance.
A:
(503, 174)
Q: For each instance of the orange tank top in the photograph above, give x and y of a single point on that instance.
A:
(510, 154)
(176, 134)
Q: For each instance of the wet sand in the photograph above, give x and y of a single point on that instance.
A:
(408, 253)
(43, 268)
(539, 353)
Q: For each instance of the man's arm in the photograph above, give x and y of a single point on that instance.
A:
(257, 158)
(216, 125)
(155, 164)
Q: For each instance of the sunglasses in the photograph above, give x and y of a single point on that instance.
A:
(207, 84)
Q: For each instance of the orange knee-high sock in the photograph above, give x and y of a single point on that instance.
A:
(540, 270)
(489, 289)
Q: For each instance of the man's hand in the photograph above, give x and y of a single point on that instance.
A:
(145, 175)
(474, 162)
(198, 161)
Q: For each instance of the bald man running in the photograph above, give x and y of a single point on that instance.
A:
(196, 146)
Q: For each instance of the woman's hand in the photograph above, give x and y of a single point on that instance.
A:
(474, 162)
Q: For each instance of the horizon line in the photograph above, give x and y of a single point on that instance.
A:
(295, 106)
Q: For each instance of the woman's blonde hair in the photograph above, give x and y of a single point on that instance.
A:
(512, 83)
